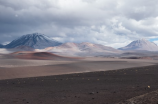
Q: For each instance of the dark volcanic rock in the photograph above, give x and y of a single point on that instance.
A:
(24, 48)
(1, 46)
(137, 85)
(35, 40)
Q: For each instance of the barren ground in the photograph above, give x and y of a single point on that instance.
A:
(95, 81)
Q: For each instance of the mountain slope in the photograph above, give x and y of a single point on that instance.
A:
(141, 44)
(35, 40)
(1, 46)
(85, 46)
(23, 48)
(82, 49)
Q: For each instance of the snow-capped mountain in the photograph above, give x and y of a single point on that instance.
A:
(35, 40)
(142, 45)
(86, 49)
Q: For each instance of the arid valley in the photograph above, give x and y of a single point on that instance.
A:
(78, 52)
(73, 80)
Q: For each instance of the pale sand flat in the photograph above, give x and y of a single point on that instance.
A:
(16, 68)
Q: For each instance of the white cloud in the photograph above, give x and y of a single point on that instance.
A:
(108, 22)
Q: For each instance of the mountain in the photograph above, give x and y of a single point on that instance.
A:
(142, 45)
(85, 46)
(23, 48)
(1, 46)
(82, 49)
(35, 40)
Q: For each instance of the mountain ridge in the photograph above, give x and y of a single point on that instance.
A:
(41, 41)
(141, 44)
(81, 49)
(35, 40)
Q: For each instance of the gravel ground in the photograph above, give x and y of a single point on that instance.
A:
(104, 87)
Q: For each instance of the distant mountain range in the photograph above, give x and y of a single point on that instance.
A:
(141, 45)
(84, 48)
(35, 40)
(40, 42)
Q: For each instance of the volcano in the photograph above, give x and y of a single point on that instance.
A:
(141, 44)
(35, 40)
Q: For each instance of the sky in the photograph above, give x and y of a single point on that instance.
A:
(112, 23)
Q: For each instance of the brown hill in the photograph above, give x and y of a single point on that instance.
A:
(40, 56)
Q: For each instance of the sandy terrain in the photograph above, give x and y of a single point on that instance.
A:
(40, 56)
(11, 63)
(20, 68)
(84, 81)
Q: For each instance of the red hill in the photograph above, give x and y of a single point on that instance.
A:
(40, 56)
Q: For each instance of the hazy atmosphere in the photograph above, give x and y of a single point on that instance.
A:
(112, 23)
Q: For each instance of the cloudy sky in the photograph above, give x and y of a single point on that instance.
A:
(109, 22)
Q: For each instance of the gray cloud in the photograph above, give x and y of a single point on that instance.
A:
(108, 22)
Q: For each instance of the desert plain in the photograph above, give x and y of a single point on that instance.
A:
(90, 80)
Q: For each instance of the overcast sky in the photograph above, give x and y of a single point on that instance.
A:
(109, 22)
